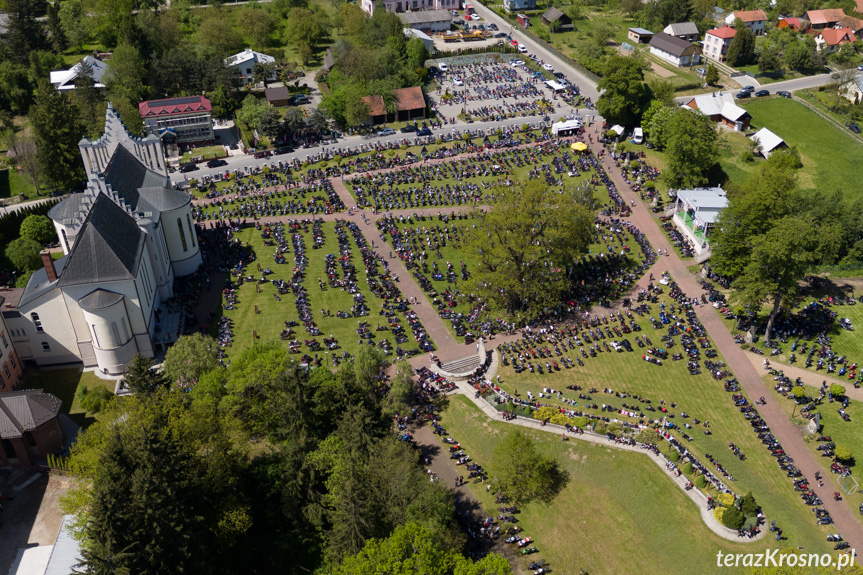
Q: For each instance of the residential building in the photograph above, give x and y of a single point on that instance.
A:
(820, 19)
(556, 15)
(29, 428)
(828, 40)
(793, 23)
(768, 142)
(695, 214)
(639, 35)
(427, 20)
(180, 121)
(674, 50)
(755, 20)
(243, 65)
(65, 79)
(400, 6)
(684, 30)
(855, 24)
(721, 108)
(717, 41)
(277, 97)
(125, 239)
(853, 89)
(519, 5)
(11, 368)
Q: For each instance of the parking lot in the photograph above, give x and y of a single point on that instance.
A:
(495, 88)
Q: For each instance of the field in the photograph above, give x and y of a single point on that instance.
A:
(830, 156)
(272, 314)
(618, 514)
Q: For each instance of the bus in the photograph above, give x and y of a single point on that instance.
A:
(468, 9)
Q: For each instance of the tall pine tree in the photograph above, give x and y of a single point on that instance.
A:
(26, 34)
(57, 124)
(142, 378)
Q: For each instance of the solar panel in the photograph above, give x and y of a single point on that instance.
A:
(175, 101)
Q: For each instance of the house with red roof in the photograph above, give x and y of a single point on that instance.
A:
(793, 23)
(820, 19)
(829, 39)
(755, 20)
(410, 104)
(717, 41)
(181, 121)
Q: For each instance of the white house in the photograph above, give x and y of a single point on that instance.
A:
(717, 41)
(124, 240)
(829, 39)
(695, 214)
(65, 79)
(755, 20)
(768, 142)
(674, 50)
(683, 30)
(243, 64)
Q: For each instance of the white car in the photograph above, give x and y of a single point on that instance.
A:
(454, 13)
(443, 67)
(457, 81)
(548, 67)
(475, 17)
(522, 48)
(516, 63)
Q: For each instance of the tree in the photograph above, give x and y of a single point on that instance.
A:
(269, 123)
(317, 121)
(403, 389)
(293, 120)
(223, 103)
(75, 23)
(189, 358)
(25, 32)
(768, 61)
(626, 95)
(304, 28)
(415, 53)
(57, 141)
(527, 244)
(712, 75)
(662, 90)
(262, 72)
(142, 378)
(58, 39)
(251, 110)
(124, 78)
(24, 254)
(692, 148)
(40, 229)
(23, 146)
(741, 52)
(258, 25)
(798, 56)
(749, 506)
(88, 97)
(630, 7)
(780, 258)
(16, 89)
(842, 453)
(798, 392)
(523, 472)
(733, 518)
(218, 34)
(837, 391)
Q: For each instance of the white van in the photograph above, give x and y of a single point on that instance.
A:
(638, 136)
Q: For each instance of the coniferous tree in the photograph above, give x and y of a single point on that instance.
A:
(58, 128)
(26, 34)
(142, 378)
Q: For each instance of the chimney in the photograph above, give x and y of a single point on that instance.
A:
(48, 262)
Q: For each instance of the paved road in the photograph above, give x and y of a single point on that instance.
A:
(15, 207)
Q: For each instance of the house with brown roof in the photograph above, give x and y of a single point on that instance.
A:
(855, 24)
(674, 50)
(793, 23)
(717, 41)
(755, 20)
(410, 104)
(556, 15)
(29, 427)
(829, 39)
(819, 19)
(277, 97)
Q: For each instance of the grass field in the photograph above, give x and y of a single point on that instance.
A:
(618, 514)
(63, 383)
(269, 322)
(830, 156)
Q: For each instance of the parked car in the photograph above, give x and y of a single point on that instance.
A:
(453, 12)
(749, 89)
(700, 71)
(216, 163)
(424, 132)
(860, 68)
(386, 132)
(514, 43)
(408, 129)
(853, 127)
(516, 63)
(522, 48)
(298, 99)
(783, 93)
(493, 26)
(761, 93)
(190, 167)
(548, 67)
(458, 22)
(264, 154)
(457, 81)
(742, 94)
(475, 17)
(558, 75)
(282, 150)
(500, 35)
(443, 67)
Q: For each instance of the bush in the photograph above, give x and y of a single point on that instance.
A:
(648, 436)
(674, 455)
(41, 230)
(700, 482)
(600, 427)
(733, 518)
(842, 453)
(836, 390)
(687, 469)
(718, 512)
(725, 499)
(749, 506)
(579, 422)
(93, 400)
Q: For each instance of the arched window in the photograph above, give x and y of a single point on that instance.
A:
(182, 234)
(191, 229)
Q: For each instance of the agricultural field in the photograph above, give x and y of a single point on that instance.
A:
(609, 518)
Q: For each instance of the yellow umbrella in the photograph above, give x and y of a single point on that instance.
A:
(578, 146)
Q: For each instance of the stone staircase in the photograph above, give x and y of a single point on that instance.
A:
(703, 256)
(463, 365)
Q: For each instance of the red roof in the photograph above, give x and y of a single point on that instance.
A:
(833, 37)
(750, 15)
(174, 106)
(793, 23)
(725, 32)
(824, 17)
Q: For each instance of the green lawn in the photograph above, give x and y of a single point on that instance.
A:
(205, 152)
(269, 322)
(618, 514)
(63, 383)
(831, 158)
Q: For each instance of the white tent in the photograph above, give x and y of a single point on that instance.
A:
(566, 128)
(556, 86)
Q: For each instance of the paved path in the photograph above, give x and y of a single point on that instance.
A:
(810, 378)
